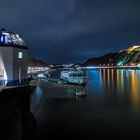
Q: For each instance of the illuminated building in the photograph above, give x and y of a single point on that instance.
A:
(13, 58)
(130, 56)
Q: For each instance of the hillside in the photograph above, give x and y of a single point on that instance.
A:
(107, 59)
(129, 56)
(36, 63)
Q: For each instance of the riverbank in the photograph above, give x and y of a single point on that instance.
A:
(112, 67)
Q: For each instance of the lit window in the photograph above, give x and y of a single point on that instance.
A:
(20, 55)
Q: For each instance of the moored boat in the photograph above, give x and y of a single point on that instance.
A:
(75, 76)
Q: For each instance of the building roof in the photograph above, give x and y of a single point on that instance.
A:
(8, 38)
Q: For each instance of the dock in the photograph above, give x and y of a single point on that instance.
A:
(55, 83)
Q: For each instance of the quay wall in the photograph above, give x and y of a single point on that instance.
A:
(16, 120)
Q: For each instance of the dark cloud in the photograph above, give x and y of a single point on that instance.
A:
(72, 30)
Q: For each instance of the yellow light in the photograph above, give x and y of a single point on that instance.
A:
(134, 90)
(132, 48)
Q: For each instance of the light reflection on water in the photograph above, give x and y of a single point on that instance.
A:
(123, 85)
(113, 87)
(112, 104)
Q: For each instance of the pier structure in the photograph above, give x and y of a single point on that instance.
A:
(78, 90)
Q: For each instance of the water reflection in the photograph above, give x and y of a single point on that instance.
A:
(108, 78)
(123, 84)
(112, 105)
(135, 89)
(36, 98)
(38, 90)
(120, 78)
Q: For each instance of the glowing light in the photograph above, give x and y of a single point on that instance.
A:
(120, 63)
(11, 38)
(135, 89)
(138, 65)
(2, 67)
(108, 77)
(118, 79)
(132, 48)
(20, 55)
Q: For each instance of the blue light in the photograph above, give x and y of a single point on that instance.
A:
(2, 37)
(11, 38)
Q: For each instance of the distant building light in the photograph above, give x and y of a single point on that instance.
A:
(20, 55)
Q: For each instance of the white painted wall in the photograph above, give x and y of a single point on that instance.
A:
(14, 67)
(6, 62)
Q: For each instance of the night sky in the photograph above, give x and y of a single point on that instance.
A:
(66, 31)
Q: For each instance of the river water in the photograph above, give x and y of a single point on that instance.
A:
(110, 108)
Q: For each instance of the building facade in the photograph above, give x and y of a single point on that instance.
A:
(13, 58)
